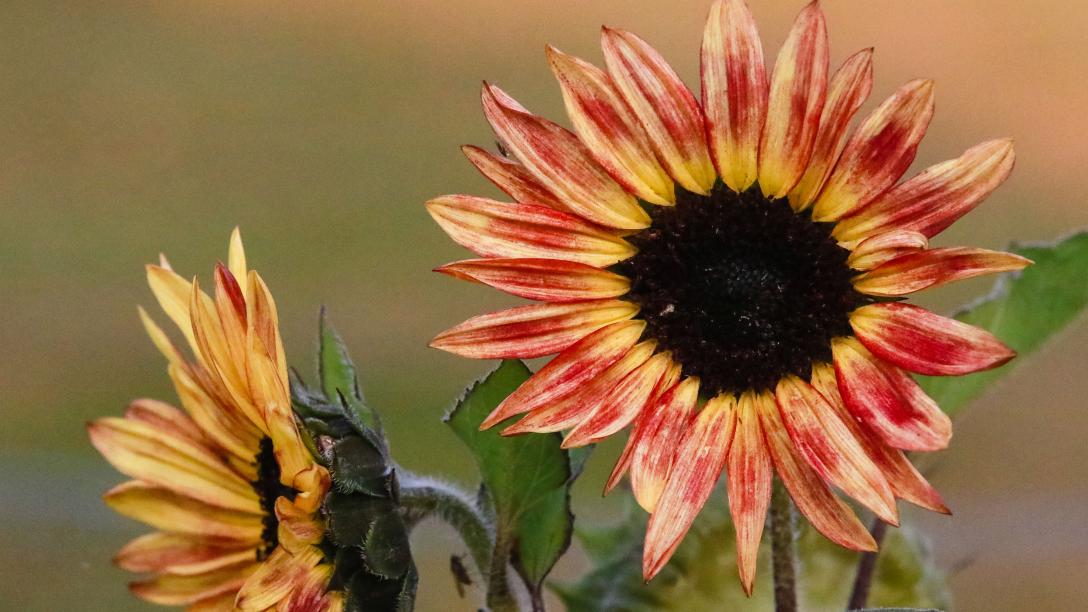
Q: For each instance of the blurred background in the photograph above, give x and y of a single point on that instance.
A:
(130, 128)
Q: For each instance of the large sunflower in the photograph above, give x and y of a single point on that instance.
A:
(751, 250)
(228, 482)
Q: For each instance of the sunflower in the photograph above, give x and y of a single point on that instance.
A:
(726, 276)
(228, 481)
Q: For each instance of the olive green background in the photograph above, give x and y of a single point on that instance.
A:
(130, 128)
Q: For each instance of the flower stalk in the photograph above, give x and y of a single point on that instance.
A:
(783, 550)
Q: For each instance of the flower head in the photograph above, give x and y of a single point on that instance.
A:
(228, 482)
(749, 248)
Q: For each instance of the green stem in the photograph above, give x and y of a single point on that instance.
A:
(783, 530)
(424, 497)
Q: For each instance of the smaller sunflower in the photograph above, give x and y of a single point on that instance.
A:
(228, 482)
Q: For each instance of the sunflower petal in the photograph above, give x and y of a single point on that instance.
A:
(699, 461)
(181, 554)
(797, 93)
(165, 418)
(657, 440)
(888, 400)
(878, 153)
(826, 443)
(664, 106)
(918, 340)
(609, 129)
(512, 178)
(872, 252)
(846, 92)
(531, 331)
(559, 160)
(569, 371)
(933, 268)
(936, 197)
(749, 485)
(236, 257)
(171, 590)
(169, 511)
(544, 280)
(276, 577)
(623, 403)
(827, 513)
(734, 91)
(497, 229)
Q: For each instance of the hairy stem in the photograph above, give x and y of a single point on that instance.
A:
(783, 540)
(859, 596)
(425, 497)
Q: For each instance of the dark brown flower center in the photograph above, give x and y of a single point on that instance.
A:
(740, 288)
(269, 489)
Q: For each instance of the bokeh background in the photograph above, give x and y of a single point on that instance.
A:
(130, 128)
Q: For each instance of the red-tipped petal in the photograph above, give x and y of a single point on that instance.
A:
(878, 153)
(544, 280)
(749, 485)
(904, 479)
(562, 164)
(531, 331)
(827, 513)
(657, 441)
(609, 129)
(936, 197)
(796, 100)
(827, 444)
(498, 229)
(846, 92)
(578, 406)
(512, 178)
(570, 370)
(888, 400)
(699, 461)
(872, 252)
(664, 106)
(918, 340)
(623, 403)
(734, 91)
(933, 268)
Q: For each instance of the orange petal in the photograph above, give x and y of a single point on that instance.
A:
(749, 485)
(699, 461)
(734, 91)
(888, 400)
(623, 403)
(796, 100)
(925, 269)
(497, 229)
(544, 280)
(559, 160)
(872, 252)
(276, 578)
(512, 178)
(918, 340)
(846, 92)
(878, 153)
(609, 129)
(170, 590)
(165, 418)
(180, 554)
(658, 441)
(827, 513)
(164, 509)
(665, 107)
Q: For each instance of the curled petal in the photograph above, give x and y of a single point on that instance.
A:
(570, 370)
(903, 478)
(609, 129)
(872, 252)
(936, 197)
(576, 407)
(171, 590)
(544, 280)
(846, 92)
(512, 178)
(826, 443)
(749, 484)
(665, 107)
(276, 577)
(878, 153)
(181, 554)
(497, 229)
(166, 419)
(918, 340)
(827, 513)
(796, 100)
(173, 294)
(734, 91)
(164, 509)
(559, 160)
(623, 403)
(699, 461)
(933, 268)
(531, 331)
(888, 401)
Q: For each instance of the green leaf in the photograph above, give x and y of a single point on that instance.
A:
(339, 380)
(1025, 309)
(702, 575)
(527, 478)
